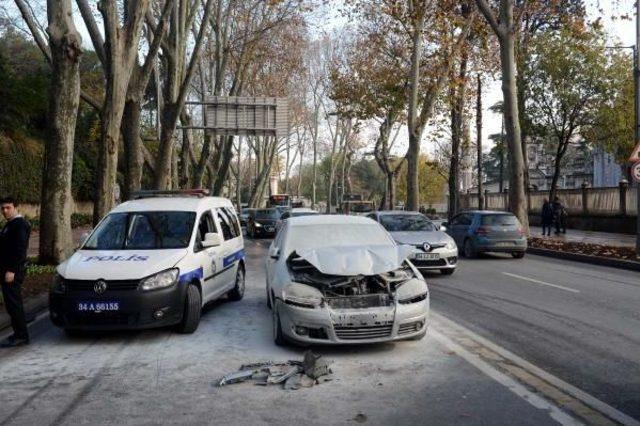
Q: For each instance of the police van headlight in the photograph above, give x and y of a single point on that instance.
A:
(160, 280)
(58, 285)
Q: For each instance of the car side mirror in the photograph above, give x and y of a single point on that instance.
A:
(211, 239)
(274, 253)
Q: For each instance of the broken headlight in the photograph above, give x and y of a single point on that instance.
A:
(160, 280)
(303, 296)
(58, 285)
(412, 291)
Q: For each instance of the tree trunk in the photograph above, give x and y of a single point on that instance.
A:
(479, 142)
(457, 96)
(198, 172)
(133, 158)
(56, 198)
(517, 195)
(391, 190)
(413, 169)
(223, 168)
(501, 158)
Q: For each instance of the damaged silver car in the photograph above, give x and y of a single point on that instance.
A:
(343, 280)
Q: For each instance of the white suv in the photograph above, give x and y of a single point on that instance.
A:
(152, 262)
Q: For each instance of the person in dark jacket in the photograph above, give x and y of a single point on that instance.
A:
(14, 242)
(559, 216)
(547, 217)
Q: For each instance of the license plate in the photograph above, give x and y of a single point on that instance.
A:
(427, 256)
(98, 306)
(504, 244)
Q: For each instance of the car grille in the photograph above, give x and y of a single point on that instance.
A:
(363, 332)
(426, 263)
(410, 327)
(87, 285)
(359, 302)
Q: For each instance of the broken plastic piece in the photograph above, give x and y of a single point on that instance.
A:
(238, 376)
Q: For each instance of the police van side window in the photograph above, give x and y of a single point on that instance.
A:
(233, 220)
(225, 225)
(205, 226)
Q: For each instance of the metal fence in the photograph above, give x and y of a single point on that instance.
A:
(621, 200)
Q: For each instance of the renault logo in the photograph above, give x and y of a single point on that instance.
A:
(100, 287)
(426, 247)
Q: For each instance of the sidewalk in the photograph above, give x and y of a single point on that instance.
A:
(589, 237)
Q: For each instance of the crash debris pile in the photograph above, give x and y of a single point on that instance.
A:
(312, 370)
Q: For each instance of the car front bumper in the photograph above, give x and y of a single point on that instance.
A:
(447, 259)
(137, 309)
(328, 326)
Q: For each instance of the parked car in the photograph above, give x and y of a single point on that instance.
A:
(435, 250)
(262, 222)
(488, 231)
(244, 216)
(152, 262)
(334, 279)
(302, 211)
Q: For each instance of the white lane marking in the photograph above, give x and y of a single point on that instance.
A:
(532, 398)
(572, 290)
(581, 395)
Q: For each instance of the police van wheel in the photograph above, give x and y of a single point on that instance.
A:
(192, 307)
(238, 291)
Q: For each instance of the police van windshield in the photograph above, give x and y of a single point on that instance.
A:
(142, 231)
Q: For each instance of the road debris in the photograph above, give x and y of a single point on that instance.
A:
(312, 370)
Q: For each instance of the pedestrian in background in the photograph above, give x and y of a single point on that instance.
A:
(14, 242)
(546, 217)
(559, 216)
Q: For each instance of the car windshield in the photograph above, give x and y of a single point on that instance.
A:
(267, 214)
(499, 220)
(142, 231)
(348, 234)
(405, 222)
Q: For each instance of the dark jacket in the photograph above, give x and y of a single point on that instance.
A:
(547, 212)
(558, 211)
(14, 242)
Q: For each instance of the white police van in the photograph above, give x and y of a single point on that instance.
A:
(152, 262)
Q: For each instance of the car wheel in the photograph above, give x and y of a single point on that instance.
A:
(469, 251)
(518, 255)
(278, 337)
(238, 291)
(447, 271)
(192, 310)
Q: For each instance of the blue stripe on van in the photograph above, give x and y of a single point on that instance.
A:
(190, 276)
(234, 257)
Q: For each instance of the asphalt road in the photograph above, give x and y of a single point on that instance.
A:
(577, 321)
(160, 377)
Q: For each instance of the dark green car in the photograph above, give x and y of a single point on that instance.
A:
(479, 231)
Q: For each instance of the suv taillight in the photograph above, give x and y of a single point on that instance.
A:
(482, 231)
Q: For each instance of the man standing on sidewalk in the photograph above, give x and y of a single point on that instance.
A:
(14, 241)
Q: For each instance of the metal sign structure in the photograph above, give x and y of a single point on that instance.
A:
(635, 171)
(244, 116)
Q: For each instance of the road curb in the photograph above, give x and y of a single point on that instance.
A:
(34, 306)
(629, 265)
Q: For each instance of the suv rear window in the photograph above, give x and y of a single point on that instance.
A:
(499, 220)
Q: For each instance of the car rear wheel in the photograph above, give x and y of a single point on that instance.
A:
(518, 255)
(469, 251)
(192, 310)
(278, 337)
(238, 291)
(447, 271)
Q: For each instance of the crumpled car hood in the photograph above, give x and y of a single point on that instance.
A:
(356, 260)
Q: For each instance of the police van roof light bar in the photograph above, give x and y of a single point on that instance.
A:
(174, 193)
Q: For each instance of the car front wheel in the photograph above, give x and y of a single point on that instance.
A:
(469, 251)
(192, 311)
